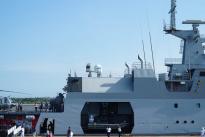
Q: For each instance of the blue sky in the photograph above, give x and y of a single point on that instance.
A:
(40, 41)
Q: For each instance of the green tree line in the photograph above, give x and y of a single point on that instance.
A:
(31, 100)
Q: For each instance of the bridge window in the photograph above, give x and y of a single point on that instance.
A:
(202, 74)
(178, 86)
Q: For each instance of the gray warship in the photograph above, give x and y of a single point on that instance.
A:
(140, 102)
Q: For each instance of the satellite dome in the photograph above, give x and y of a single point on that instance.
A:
(98, 70)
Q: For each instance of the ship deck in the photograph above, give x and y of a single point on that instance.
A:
(27, 109)
(19, 113)
(122, 136)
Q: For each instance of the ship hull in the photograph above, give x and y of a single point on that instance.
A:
(151, 116)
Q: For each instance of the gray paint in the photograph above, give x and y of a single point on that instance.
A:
(151, 101)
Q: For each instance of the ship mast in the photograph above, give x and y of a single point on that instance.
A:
(193, 49)
(172, 13)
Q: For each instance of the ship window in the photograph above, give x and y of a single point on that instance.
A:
(198, 105)
(192, 121)
(202, 73)
(185, 122)
(178, 86)
(177, 121)
(175, 105)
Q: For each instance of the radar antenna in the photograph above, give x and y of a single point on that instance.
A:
(195, 23)
(172, 13)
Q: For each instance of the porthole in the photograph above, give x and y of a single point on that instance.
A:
(198, 105)
(175, 105)
(185, 122)
(177, 122)
(192, 121)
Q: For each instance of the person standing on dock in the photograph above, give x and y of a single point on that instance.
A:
(46, 106)
(50, 127)
(36, 107)
(203, 132)
(119, 130)
(69, 132)
(108, 131)
(50, 134)
(34, 132)
(41, 106)
(20, 107)
(22, 131)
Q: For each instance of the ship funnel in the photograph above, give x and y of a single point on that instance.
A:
(141, 61)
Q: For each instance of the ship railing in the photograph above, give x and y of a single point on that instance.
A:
(163, 77)
(138, 65)
(169, 61)
(202, 36)
(167, 27)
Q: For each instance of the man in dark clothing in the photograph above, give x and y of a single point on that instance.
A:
(41, 106)
(46, 106)
(50, 126)
(68, 132)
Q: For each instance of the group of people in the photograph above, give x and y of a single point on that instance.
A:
(19, 107)
(109, 130)
(42, 106)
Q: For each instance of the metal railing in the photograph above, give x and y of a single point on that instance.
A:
(138, 65)
(173, 61)
(163, 77)
(167, 27)
(202, 36)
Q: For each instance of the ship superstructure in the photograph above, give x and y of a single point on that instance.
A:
(139, 102)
